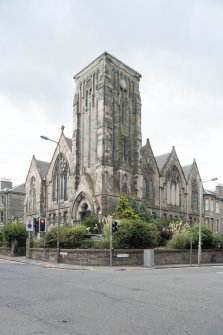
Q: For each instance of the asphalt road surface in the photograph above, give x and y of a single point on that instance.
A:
(38, 300)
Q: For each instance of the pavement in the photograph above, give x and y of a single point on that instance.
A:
(48, 264)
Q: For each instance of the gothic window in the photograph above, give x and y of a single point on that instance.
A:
(125, 150)
(194, 196)
(124, 188)
(148, 183)
(173, 187)
(32, 194)
(60, 179)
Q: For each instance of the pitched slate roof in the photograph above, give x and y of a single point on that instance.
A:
(42, 167)
(161, 160)
(19, 188)
(209, 192)
(187, 170)
(69, 142)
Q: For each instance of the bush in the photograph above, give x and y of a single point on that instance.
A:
(180, 241)
(15, 231)
(94, 244)
(136, 234)
(142, 212)
(1, 236)
(93, 224)
(70, 237)
(207, 236)
(218, 241)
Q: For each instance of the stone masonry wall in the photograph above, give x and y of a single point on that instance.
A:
(128, 257)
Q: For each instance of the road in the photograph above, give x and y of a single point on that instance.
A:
(51, 301)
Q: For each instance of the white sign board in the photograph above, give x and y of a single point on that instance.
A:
(29, 225)
(122, 255)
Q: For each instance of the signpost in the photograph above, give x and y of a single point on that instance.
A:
(29, 229)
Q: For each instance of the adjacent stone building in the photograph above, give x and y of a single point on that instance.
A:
(213, 208)
(105, 157)
(11, 202)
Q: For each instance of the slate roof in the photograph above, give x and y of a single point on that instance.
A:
(42, 167)
(161, 160)
(209, 192)
(16, 189)
(19, 188)
(69, 142)
(187, 170)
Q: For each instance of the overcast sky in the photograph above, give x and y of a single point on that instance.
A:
(177, 46)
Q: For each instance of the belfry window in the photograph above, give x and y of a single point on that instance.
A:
(60, 179)
(148, 183)
(32, 195)
(194, 196)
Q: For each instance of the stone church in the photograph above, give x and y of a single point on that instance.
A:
(105, 156)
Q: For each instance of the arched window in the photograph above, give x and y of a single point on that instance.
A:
(60, 179)
(124, 188)
(194, 195)
(173, 187)
(32, 194)
(148, 191)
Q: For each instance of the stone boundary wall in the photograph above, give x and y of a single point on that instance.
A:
(127, 257)
(179, 256)
(90, 256)
(5, 251)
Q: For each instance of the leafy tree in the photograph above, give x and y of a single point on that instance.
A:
(136, 234)
(15, 231)
(141, 211)
(123, 210)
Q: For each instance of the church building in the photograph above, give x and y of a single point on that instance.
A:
(105, 156)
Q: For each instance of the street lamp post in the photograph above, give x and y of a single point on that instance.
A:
(58, 199)
(200, 217)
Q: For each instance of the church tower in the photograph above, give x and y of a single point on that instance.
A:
(106, 136)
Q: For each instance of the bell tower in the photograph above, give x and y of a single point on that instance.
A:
(106, 132)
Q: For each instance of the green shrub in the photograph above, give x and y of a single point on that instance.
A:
(136, 234)
(1, 236)
(142, 212)
(218, 241)
(207, 236)
(15, 231)
(94, 244)
(180, 241)
(70, 237)
(93, 224)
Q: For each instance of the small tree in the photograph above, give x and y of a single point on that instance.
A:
(142, 212)
(123, 210)
(15, 231)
